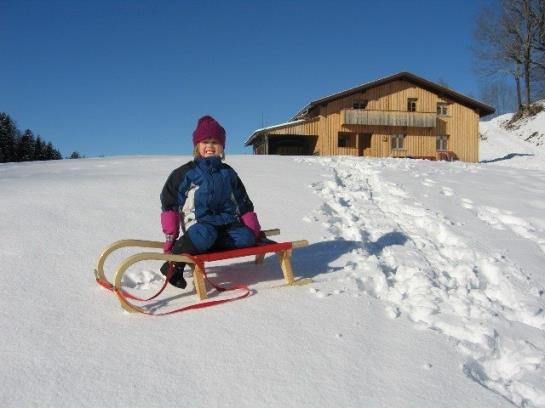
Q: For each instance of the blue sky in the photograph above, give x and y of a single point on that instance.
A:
(132, 77)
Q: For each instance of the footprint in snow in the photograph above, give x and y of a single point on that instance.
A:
(503, 219)
(141, 280)
(467, 203)
(491, 215)
(428, 182)
(318, 293)
(447, 191)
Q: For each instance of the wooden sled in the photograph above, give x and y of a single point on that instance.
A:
(197, 265)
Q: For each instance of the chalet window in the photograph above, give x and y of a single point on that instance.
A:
(441, 143)
(398, 141)
(411, 105)
(346, 139)
(442, 109)
(360, 104)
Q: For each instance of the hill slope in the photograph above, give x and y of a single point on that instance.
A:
(428, 288)
(514, 146)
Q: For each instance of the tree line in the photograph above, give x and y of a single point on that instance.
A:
(510, 46)
(17, 146)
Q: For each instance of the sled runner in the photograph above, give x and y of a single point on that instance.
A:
(197, 265)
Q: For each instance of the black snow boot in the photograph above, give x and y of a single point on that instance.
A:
(182, 246)
(177, 278)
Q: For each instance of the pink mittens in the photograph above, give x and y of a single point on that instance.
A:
(167, 246)
(170, 221)
(250, 220)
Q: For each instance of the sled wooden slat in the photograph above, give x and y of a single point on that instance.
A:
(196, 262)
(198, 280)
(282, 249)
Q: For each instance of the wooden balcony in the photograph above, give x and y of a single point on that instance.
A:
(388, 118)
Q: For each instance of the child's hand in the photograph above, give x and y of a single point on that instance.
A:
(170, 221)
(250, 220)
(167, 247)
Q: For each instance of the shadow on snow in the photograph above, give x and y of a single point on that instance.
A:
(506, 157)
(307, 262)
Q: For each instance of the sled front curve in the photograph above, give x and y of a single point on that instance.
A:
(131, 260)
(99, 270)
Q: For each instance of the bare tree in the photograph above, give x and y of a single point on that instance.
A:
(540, 34)
(521, 21)
(509, 35)
(499, 94)
(497, 53)
(540, 48)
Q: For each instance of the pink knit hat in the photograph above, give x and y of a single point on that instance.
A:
(208, 128)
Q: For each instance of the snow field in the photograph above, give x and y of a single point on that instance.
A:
(426, 268)
(428, 287)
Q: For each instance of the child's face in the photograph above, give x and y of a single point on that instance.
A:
(210, 147)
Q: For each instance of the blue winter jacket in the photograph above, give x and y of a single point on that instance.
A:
(206, 190)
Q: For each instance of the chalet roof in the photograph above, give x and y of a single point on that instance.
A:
(480, 107)
(278, 126)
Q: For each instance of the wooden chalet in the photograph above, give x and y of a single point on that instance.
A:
(402, 115)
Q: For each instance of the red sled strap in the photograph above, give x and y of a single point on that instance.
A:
(200, 305)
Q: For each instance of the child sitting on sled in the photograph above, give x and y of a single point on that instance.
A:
(206, 198)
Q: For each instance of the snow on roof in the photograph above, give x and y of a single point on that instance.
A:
(277, 126)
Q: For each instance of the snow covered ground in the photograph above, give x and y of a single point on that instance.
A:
(521, 147)
(428, 287)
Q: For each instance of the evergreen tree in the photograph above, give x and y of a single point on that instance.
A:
(56, 155)
(15, 146)
(51, 153)
(25, 148)
(8, 133)
(3, 140)
(39, 149)
(48, 151)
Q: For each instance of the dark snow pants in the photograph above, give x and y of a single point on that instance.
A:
(202, 237)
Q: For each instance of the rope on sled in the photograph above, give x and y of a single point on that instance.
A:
(199, 268)
(124, 296)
